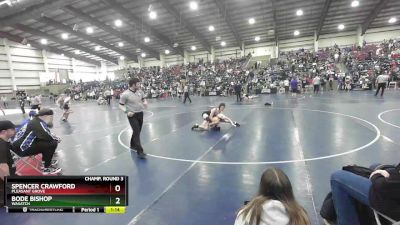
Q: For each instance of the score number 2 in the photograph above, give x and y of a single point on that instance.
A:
(117, 200)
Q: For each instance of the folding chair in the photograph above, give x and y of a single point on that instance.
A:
(378, 221)
(392, 84)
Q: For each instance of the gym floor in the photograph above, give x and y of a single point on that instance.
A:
(203, 178)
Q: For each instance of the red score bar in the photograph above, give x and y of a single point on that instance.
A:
(84, 189)
(75, 185)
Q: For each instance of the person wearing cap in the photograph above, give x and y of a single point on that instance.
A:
(35, 138)
(7, 165)
(32, 115)
(133, 102)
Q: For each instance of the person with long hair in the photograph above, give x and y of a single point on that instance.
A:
(275, 203)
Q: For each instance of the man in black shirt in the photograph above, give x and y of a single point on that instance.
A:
(7, 166)
(35, 138)
(238, 90)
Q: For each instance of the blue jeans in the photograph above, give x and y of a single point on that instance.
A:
(347, 189)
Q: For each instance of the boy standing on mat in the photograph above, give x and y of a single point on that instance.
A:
(132, 102)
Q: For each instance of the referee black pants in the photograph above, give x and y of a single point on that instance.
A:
(238, 96)
(380, 85)
(186, 97)
(136, 122)
(108, 99)
(46, 148)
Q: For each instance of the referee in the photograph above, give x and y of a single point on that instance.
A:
(132, 102)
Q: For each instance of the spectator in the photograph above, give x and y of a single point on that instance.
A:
(36, 102)
(380, 191)
(286, 85)
(7, 165)
(108, 96)
(35, 138)
(317, 83)
(294, 85)
(275, 203)
(331, 82)
(4, 101)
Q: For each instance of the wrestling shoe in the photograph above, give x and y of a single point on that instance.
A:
(268, 104)
(195, 126)
(51, 170)
(141, 155)
(54, 162)
(237, 124)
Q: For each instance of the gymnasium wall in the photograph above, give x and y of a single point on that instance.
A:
(29, 64)
(379, 34)
(343, 39)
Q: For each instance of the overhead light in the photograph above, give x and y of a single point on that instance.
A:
(176, 45)
(62, 55)
(392, 20)
(43, 41)
(341, 27)
(118, 23)
(299, 12)
(143, 55)
(193, 48)
(167, 52)
(193, 5)
(223, 43)
(153, 15)
(89, 30)
(64, 36)
(257, 38)
(211, 28)
(97, 48)
(29, 45)
(355, 3)
(122, 57)
(146, 39)
(296, 33)
(252, 21)
(77, 52)
(120, 44)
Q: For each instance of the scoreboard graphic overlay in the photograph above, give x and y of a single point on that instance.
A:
(67, 194)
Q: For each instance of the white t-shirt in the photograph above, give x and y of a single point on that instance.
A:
(316, 81)
(286, 83)
(382, 79)
(274, 213)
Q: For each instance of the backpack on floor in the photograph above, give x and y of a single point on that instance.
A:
(328, 209)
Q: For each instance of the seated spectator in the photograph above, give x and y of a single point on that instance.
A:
(275, 203)
(7, 166)
(380, 191)
(35, 138)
